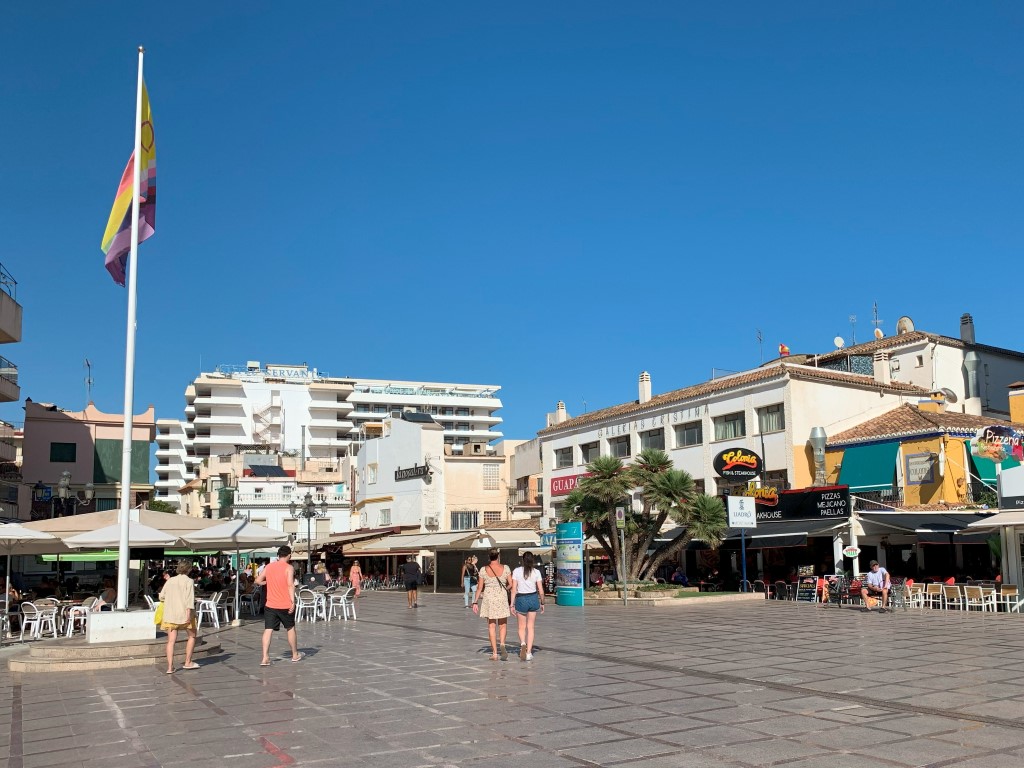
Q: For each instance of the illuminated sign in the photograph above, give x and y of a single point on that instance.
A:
(737, 464)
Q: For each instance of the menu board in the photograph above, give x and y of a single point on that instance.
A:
(807, 584)
(569, 564)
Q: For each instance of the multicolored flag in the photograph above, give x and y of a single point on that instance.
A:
(117, 239)
(783, 350)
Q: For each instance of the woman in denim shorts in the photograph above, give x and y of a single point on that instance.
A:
(527, 602)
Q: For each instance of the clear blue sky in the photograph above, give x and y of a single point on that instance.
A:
(547, 196)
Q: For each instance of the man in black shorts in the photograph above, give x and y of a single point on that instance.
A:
(279, 608)
(411, 573)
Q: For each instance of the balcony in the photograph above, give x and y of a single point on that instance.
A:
(884, 501)
(9, 389)
(10, 309)
(284, 499)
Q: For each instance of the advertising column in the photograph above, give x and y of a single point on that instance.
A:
(569, 564)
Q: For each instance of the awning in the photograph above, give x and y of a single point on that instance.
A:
(986, 468)
(1000, 519)
(111, 556)
(928, 527)
(346, 538)
(789, 533)
(952, 537)
(869, 467)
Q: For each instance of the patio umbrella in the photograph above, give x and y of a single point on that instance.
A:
(17, 540)
(139, 535)
(236, 535)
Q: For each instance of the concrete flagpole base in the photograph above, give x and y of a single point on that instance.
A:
(117, 626)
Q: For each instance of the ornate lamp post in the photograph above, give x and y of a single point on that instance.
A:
(309, 510)
(65, 498)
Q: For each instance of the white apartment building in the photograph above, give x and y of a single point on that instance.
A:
(769, 411)
(406, 476)
(305, 412)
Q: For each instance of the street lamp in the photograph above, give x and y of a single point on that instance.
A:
(309, 509)
(65, 496)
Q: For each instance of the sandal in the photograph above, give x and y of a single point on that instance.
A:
(193, 665)
(169, 672)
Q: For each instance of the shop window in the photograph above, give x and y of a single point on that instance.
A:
(771, 418)
(465, 521)
(730, 426)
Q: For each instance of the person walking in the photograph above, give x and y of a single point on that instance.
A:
(492, 599)
(355, 576)
(527, 602)
(470, 573)
(411, 574)
(279, 607)
(179, 598)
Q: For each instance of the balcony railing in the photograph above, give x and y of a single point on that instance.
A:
(524, 497)
(881, 500)
(284, 499)
(8, 370)
(7, 283)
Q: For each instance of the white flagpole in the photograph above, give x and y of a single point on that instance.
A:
(129, 360)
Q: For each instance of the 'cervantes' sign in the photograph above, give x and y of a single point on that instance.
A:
(737, 464)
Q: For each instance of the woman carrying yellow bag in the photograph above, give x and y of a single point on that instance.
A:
(178, 601)
(158, 614)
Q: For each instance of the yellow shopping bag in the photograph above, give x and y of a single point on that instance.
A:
(158, 616)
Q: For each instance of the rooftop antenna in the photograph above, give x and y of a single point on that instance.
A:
(760, 344)
(584, 404)
(853, 330)
(875, 321)
(88, 381)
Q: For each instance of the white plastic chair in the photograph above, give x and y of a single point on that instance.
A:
(951, 596)
(342, 602)
(307, 605)
(253, 603)
(1008, 598)
(78, 616)
(150, 603)
(208, 609)
(37, 621)
(223, 607)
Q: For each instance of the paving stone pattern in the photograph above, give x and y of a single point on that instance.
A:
(751, 684)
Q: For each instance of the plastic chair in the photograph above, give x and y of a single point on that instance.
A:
(37, 621)
(253, 602)
(149, 603)
(343, 602)
(78, 616)
(208, 609)
(1008, 598)
(306, 605)
(223, 607)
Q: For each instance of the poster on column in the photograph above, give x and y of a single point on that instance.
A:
(569, 564)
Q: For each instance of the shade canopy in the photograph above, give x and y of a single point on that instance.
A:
(168, 522)
(869, 467)
(235, 534)
(139, 535)
(1007, 517)
(16, 539)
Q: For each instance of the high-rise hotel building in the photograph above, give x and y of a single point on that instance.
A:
(321, 418)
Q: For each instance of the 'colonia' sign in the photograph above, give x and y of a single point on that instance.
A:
(737, 464)
(417, 470)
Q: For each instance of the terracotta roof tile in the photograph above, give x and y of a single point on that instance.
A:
(533, 522)
(887, 342)
(909, 420)
(732, 382)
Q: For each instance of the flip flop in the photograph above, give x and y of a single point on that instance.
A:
(504, 652)
(169, 672)
(193, 665)
(301, 657)
(265, 663)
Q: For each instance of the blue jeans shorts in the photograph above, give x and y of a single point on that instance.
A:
(529, 603)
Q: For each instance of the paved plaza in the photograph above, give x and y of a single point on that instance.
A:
(709, 686)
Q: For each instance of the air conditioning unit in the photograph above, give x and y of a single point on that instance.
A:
(430, 522)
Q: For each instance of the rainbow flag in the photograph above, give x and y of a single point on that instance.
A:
(117, 239)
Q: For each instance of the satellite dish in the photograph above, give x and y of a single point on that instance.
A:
(838, 341)
(949, 394)
(878, 333)
(904, 325)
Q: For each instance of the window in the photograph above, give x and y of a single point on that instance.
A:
(102, 505)
(464, 521)
(491, 516)
(771, 418)
(447, 411)
(730, 426)
(691, 433)
(448, 425)
(563, 458)
(362, 408)
(385, 518)
(698, 486)
(462, 427)
(396, 413)
(619, 446)
(371, 473)
(590, 451)
(380, 409)
(63, 452)
(778, 478)
(919, 361)
(492, 478)
(654, 438)
(462, 411)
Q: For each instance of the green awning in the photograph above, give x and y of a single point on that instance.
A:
(111, 555)
(869, 467)
(986, 468)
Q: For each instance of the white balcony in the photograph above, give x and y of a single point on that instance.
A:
(222, 421)
(219, 399)
(165, 453)
(473, 435)
(330, 405)
(284, 499)
(343, 425)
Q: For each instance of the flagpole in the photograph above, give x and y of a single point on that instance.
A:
(129, 359)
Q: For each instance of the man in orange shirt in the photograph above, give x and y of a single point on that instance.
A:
(279, 607)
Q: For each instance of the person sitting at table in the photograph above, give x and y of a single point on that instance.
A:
(679, 577)
(45, 588)
(12, 593)
(596, 577)
(108, 597)
(876, 584)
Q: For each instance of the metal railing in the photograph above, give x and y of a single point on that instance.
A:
(7, 283)
(881, 500)
(8, 370)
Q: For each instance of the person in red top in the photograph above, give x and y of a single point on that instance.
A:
(279, 607)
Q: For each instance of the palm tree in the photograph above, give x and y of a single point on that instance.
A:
(667, 493)
(702, 518)
(607, 482)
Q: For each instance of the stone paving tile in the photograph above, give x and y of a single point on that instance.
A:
(412, 690)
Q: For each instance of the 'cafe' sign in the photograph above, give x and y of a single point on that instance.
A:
(737, 464)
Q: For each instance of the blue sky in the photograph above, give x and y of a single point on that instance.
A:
(551, 197)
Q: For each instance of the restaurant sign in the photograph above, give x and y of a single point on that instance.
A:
(998, 443)
(830, 502)
(765, 495)
(737, 464)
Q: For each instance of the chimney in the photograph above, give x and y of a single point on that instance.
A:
(645, 387)
(560, 414)
(881, 368)
(966, 328)
(1017, 402)
(936, 403)
(972, 404)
